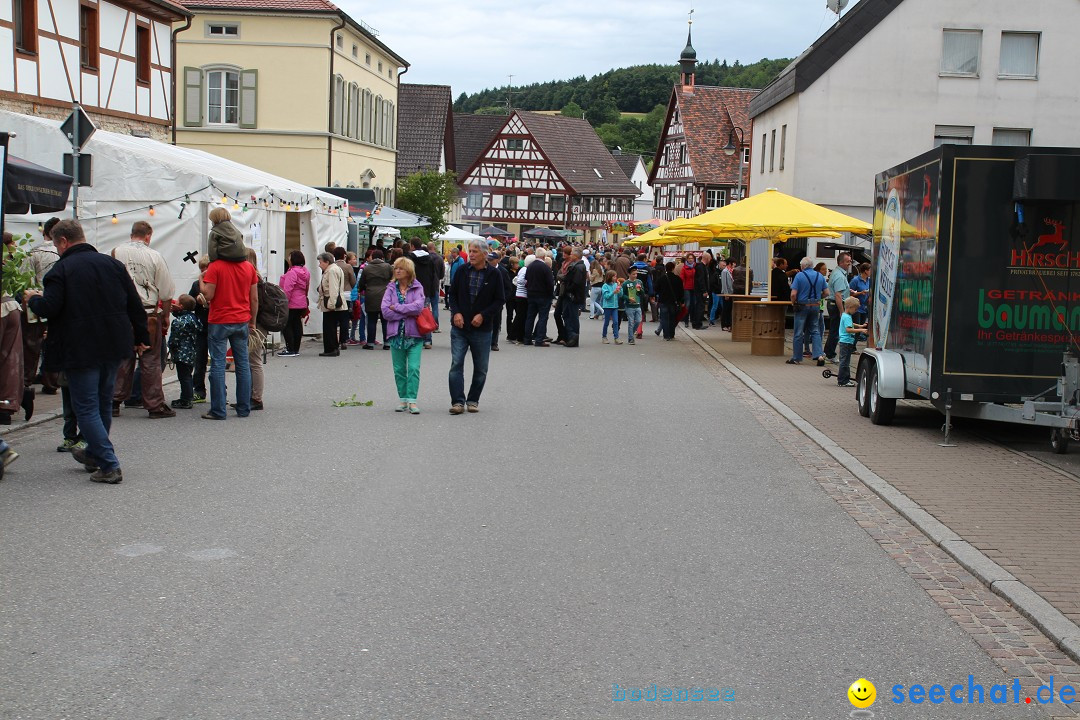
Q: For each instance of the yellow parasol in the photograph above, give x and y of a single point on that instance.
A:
(771, 215)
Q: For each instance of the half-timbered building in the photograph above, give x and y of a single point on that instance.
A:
(112, 56)
(691, 173)
(547, 171)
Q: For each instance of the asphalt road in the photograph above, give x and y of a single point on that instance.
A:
(610, 517)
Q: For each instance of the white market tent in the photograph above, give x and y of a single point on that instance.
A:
(456, 235)
(182, 185)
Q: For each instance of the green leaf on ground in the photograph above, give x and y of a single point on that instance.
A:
(352, 402)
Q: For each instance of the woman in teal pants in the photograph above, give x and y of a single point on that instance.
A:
(402, 302)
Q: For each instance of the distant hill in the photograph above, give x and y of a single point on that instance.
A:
(603, 98)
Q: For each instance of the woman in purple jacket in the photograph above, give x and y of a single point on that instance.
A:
(401, 303)
(295, 283)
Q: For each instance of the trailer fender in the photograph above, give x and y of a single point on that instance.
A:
(892, 380)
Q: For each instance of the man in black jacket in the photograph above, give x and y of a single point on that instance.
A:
(574, 290)
(96, 320)
(476, 295)
(427, 276)
(539, 289)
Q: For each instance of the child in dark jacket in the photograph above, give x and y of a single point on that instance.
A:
(183, 344)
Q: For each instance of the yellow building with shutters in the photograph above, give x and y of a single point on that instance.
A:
(304, 92)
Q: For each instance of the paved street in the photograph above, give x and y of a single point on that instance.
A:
(615, 515)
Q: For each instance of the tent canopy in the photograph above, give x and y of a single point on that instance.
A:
(492, 231)
(32, 188)
(657, 238)
(456, 234)
(772, 215)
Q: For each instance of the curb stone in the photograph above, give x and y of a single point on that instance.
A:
(1058, 628)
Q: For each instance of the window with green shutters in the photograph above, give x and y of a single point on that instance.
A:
(220, 97)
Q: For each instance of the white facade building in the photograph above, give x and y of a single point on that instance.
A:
(895, 78)
(634, 167)
(114, 57)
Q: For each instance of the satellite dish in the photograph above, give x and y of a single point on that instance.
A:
(836, 6)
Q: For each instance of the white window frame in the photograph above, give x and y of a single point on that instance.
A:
(1001, 133)
(715, 198)
(225, 27)
(946, 33)
(224, 71)
(954, 135)
(1034, 75)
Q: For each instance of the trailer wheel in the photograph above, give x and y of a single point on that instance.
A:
(862, 388)
(881, 409)
(1059, 441)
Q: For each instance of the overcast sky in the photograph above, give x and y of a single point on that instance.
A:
(475, 44)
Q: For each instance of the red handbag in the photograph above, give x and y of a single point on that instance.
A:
(425, 322)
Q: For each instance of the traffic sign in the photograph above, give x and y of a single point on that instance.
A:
(78, 127)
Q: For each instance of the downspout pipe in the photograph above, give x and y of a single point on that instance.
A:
(330, 115)
(397, 126)
(172, 90)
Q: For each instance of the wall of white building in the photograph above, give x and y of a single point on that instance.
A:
(880, 103)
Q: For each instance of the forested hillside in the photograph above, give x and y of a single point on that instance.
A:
(603, 99)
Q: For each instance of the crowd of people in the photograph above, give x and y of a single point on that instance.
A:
(107, 351)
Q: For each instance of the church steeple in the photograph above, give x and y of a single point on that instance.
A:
(688, 58)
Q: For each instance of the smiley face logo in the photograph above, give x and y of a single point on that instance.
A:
(862, 693)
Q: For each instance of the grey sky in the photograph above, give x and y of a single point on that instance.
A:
(474, 45)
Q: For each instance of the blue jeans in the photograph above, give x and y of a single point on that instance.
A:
(633, 319)
(807, 319)
(717, 304)
(845, 350)
(667, 319)
(571, 319)
(183, 375)
(433, 303)
(595, 310)
(611, 315)
(234, 335)
(693, 307)
(91, 396)
(478, 344)
(537, 312)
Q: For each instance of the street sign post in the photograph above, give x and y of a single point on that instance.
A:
(78, 128)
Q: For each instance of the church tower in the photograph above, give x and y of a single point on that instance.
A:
(687, 61)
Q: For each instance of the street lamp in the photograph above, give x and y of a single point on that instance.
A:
(730, 149)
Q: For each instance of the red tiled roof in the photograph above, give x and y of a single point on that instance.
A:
(294, 5)
(424, 128)
(706, 124)
(472, 135)
(578, 154)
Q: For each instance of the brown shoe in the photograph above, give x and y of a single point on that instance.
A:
(162, 412)
(457, 409)
(116, 409)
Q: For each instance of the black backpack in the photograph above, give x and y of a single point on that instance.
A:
(273, 307)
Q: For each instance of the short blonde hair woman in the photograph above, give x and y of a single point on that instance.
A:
(401, 304)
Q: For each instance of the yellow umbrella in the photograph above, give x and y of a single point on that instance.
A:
(656, 237)
(774, 216)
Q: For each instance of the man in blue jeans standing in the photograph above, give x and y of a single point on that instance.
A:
(806, 291)
(476, 295)
(96, 320)
(539, 289)
(232, 289)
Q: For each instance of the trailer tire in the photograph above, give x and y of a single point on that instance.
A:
(862, 388)
(1059, 441)
(881, 409)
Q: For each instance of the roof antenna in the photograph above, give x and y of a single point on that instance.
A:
(510, 93)
(836, 6)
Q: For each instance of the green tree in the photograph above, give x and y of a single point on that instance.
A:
(429, 194)
(572, 109)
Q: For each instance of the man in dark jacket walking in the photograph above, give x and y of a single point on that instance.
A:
(574, 290)
(96, 320)
(427, 276)
(539, 289)
(476, 295)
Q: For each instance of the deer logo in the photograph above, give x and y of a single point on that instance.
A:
(1055, 238)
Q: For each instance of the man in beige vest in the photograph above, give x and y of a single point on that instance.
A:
(154, 284)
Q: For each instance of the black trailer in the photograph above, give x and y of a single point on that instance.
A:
(975, 291)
